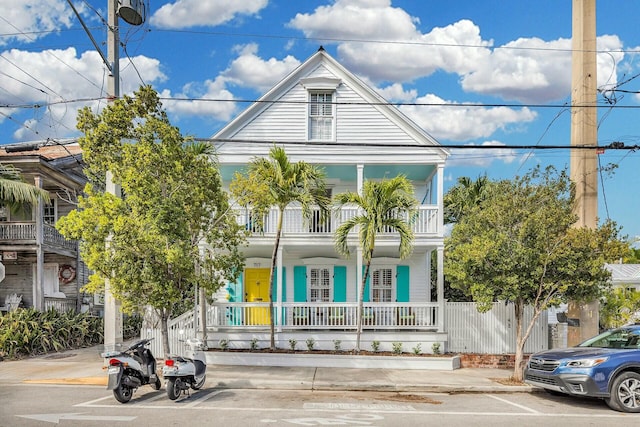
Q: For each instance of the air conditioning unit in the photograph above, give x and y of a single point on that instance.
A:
(132, 11)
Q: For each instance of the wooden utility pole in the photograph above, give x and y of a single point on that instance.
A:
(584, 318)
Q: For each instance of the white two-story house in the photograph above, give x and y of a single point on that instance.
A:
(323, 114)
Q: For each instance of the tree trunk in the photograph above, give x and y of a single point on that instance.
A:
(203, 314)
(520, 341)
(360, 305)
(274, 258)
(164, 329)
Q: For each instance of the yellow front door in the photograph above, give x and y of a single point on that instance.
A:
(257, 290)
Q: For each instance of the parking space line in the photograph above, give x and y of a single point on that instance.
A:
(202, 399)
(517, 405)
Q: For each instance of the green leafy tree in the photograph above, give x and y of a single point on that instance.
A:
(520, 245)
(172, 230)
(619, 307)
(385, 205)
(275, 181)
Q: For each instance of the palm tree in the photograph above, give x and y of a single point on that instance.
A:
(275, 181)
(14, 191)
(385, 205)
(463, 196)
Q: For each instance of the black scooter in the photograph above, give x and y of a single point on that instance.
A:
(130, 369)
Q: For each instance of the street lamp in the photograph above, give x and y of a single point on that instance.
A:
(132, 12)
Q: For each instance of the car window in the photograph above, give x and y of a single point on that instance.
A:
(616, 338)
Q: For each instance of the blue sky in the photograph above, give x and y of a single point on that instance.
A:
(511, 59)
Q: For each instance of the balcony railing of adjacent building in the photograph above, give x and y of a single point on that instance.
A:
(325, 316)
(25, 232)
(424, 221)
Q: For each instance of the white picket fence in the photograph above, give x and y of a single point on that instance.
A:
(469, 331)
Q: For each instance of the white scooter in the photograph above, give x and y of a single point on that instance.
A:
(183, 373)
(129, 369)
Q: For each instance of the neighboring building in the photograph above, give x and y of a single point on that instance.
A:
(41, 265)
(625, 275)
(322, 114)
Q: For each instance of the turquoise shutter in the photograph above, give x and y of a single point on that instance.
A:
(234, 290)
(367, 292)
(300, 283)
(402, 283)
(274, 288)
(339, 283)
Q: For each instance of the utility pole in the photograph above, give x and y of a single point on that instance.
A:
(132, 12)
(584, 318)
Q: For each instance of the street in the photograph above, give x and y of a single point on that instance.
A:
(41, 405)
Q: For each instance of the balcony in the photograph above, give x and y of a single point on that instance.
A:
(24, 233)
(424, 221)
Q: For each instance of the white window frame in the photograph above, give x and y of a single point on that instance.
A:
(321, 115)
(375, 285)
(311, 285)
(324, 86)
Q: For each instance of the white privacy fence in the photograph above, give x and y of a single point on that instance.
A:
(493, 332)
(468, 330)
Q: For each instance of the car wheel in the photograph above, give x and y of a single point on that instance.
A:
(625, 393)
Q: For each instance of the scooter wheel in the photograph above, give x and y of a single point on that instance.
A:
(123, 393)
(173, 388)
(199, 384)
(156, 384)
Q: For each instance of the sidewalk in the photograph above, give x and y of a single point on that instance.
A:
(84, 366)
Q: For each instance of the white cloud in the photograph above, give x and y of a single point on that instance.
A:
(532, 70)
(59, 77)
(249, 70)
(407, 54)
(200, 103)
(27, 20)
(397, 93)
(191, 13)
(481, 157)
(459, 122)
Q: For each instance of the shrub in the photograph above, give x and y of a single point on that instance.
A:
(224, 344)
(375, 345)
(336, 345)
(417, 350)
(435, 348)
(254, 344)
(26, 332)
(310, 343)
(397, 347)
(292, 344)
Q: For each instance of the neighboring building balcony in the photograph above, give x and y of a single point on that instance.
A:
(325, 316)
(24, 233)
(424, 222)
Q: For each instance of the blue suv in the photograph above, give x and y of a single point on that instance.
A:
(606, 366)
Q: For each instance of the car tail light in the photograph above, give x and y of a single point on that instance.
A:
(169, 362)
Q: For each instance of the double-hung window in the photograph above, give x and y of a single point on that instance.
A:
(321, 115)
(49, 213)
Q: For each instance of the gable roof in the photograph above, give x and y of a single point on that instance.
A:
(324, 62)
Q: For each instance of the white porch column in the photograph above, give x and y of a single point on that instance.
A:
(112, 307)
(440, 199)
(38, 282)
(440, 279)
(428, 273)
(360, 179)
(359, 272)
(278, 319)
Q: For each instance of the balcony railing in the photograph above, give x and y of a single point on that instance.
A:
(340, 316)
(424, 221)
(25, 233)
(61, 305)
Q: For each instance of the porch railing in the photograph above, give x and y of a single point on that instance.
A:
(339, 316)
(424, 221)
(59, 304)
(26, 232)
